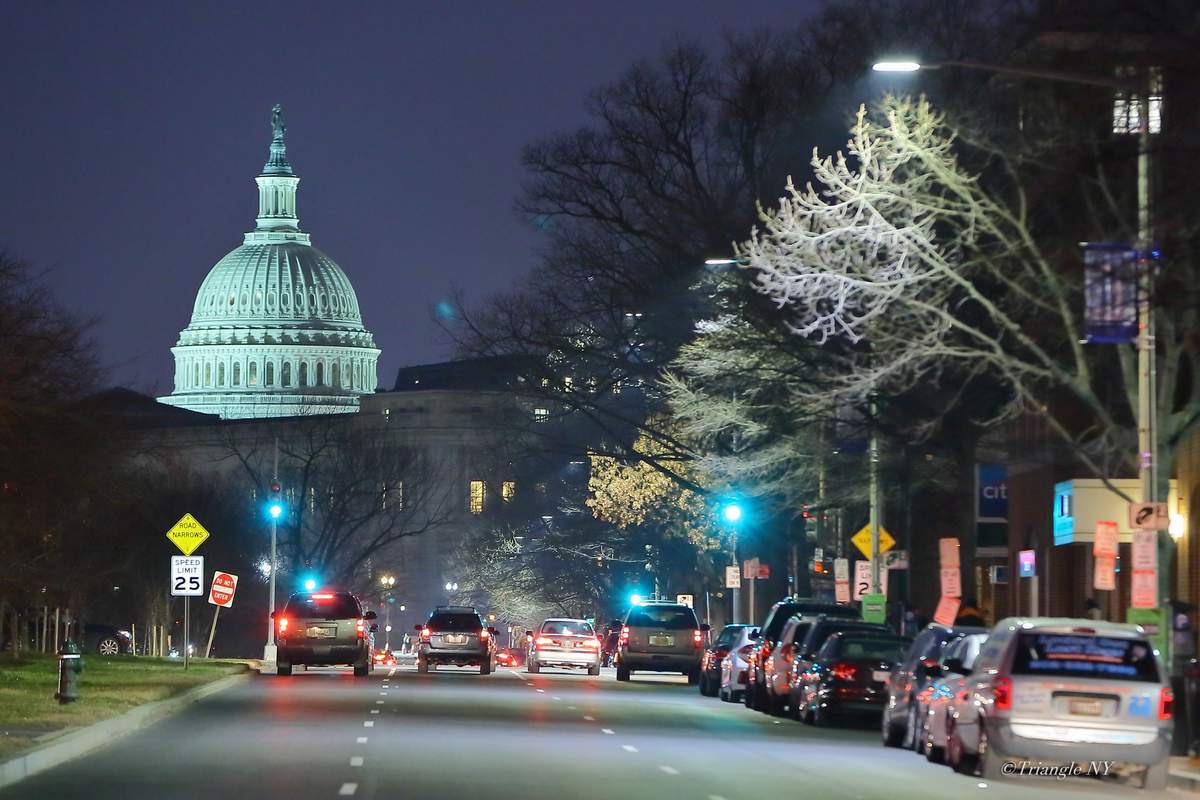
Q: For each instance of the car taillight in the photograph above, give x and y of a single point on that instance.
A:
(425, 633)
(1002, 693)
(544, 640)
(745, 650)
(1166, 703)
(322, 596)
(593, 643)
(697, 637)
(361, 627)
(484, 634)
(624, 639)
(765, 652)
(283, 623)
(843, 672)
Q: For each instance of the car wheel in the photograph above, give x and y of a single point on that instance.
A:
(822, 717)
(486, 667)
(693, 676)
(960, 760)
(704, 685)
(362, 670)
(283, 669)
(109, 646)
(934, 754)
(723, 694)
(533, 667)
(748, 696)
(1155, 777)
(990, 760)
(622, 672)
(422, 665)
(594, 671)
(891, 734)
(910, 726)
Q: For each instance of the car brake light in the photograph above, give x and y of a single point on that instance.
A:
(765, 652)
(484, 633)
(843, 671)
(697, 637)
(1166, 703)
(624, 639)
(544, 640)
(283, 623)
(425, 634)
(593, 643)
(322, 597)
(1002, 693)
(361, 626)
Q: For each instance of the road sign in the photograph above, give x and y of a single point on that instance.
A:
(1144, 584)
(1106, 539)
(684, 600)
(841, 569)
(896, 559)
(951, 582)
(1027, 563)
(1104, 576)
(187, 576)
(874, 608)
(948, 552)
(733, 578)
(862, 580)
(187, 534)
(750, 569)
(862, 540)
(224, 585)
(1149, 517)
(841, 592)
(764, 572)
(947, 611)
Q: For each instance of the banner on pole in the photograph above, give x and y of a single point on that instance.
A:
(1105, 574)
(1110, 292)
(948, 552)
(1106, 539)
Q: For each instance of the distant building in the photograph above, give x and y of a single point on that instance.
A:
(276, 330)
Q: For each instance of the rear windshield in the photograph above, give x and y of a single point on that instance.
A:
(567, 628)
(671, 618)
(454, 622)
(321, 606)
(729, 634)
(823, 630)
(871, 649)
(1076, 656)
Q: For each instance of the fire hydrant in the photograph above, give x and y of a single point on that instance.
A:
(70, 664)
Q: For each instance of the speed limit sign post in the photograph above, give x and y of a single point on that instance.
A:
(187, 571)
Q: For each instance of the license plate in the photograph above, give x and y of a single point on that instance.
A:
(455, 639)
(880, 675)
(1086, 708)
(662, 641)
(318, 632)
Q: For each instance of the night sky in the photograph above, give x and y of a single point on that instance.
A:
(133, 133)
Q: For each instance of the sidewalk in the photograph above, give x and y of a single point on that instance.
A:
(1185, 774)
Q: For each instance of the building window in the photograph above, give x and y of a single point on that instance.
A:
(196, 374)
(476, 498)
(541, 414)
(1127, 105)
(320, 373)
(392, 497)
(270, 378)
(508, 490)
(237, 374)
(220, 374)
(336, 377)
(208, 374)
(252, 377)
(304, 373)
(287, 373)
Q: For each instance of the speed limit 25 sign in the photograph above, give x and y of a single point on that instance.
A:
(187, 576)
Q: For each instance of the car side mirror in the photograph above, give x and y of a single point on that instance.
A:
(374, 629)
(753, 636)
(704, 626)
(956, 666)
(418, 627)
(529, 634)
(370, 615)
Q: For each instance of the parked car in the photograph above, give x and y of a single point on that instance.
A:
(714, 654)
(384, 658)
(661, 637)
(106, 640)
(323, 628)
(755, 695)
(1061, 690)
(805, 649)
(456, 635)
(777, 663)
(910, 677)
(846, 676)
(947, 678)
(570, 643)
(733, 666)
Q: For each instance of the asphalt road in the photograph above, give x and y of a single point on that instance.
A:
(453, 734)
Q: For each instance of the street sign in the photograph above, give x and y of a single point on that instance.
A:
(733, 578)
(1106, 539)
(896, 559)
(862, 580)
(862, 540)
(841, 569)
(750, 569)
(187, 576)
(187, 534)
(684, 600)
(764, 572)
(1104, 576)
(223, 587)
(1149, 517)
(948, 552)
(951, 582)
(1154, 622)
(1144, 584)
(874, 608)
(1027, 563)
(947, 610)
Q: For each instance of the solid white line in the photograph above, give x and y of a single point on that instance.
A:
(628, 748)
(607, 730)
(369, 724)
(668, 770)
(589, 719)
(356, 761)
(374, 710)
(348, 789)
(361, 740)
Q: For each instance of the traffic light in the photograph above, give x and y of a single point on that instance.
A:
(275, 507)
(732, 511)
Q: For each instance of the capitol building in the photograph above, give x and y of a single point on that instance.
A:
(276, 329)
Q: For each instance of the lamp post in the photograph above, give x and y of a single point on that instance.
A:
(1146, 367)
(274, 511)
(387, 582)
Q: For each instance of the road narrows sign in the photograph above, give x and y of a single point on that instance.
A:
(224, 585)
(862, 540)
(187, 534)
(187, 576)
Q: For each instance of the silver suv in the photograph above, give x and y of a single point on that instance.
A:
(323, 628)
(1049, 690)
(456, 635)
(661, 637)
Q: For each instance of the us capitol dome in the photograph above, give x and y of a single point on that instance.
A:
(276, 330)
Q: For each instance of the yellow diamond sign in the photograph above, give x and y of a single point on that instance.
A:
(187, 534)
(862, 540)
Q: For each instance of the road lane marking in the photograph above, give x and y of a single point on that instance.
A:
(356, 761)
(383, 694)
(556, 697)
(715, 797)
(361, 740)
(608, 731)
(589, 719)
(628, 748)
(541, 691)
(571, 708)
(378, 702)
(369, 724)
(348, 789)
(374, 710)
(668, 769)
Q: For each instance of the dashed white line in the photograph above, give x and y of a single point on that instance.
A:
(628, 748)
(589, 719)
(667, 769)
(369, 724)
(541, 691)
(715, 797)
(383, 694)
(348, 789)
(356, 761)
(374, 710)
(378, 702)
(556, 697)
(570, 708)
(361, 740)
(608, 731)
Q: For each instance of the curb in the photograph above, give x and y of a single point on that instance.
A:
(84, 740)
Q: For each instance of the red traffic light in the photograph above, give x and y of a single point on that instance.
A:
(275, 487)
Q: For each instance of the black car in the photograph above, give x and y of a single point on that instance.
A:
(910, 676)
(710, 662)
(323, 628)
(846, 676)
(816, 633)
(456, 635)
(768, 637)
(106, 640)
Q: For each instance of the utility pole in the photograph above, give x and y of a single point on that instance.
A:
(874, 499)
(269, 650)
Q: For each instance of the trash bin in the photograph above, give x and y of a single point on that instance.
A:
(70, 664)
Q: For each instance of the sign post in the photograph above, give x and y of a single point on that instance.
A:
(221, 593)
(187, 534)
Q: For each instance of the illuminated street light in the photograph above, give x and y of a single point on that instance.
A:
(635, 599)
(309, 584)
(732, 512)
(1177, 527)
(264, 568)
(895, 66)
(387, 581)
(275, 510)
(451, 587)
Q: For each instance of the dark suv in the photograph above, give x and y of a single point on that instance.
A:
(768, 637)
(456, 635)
(661, 637)
(323, 628)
